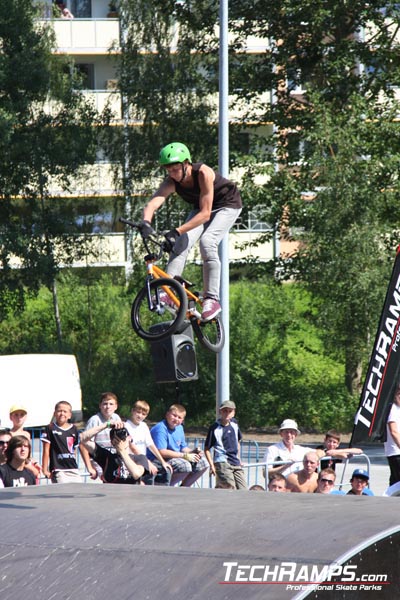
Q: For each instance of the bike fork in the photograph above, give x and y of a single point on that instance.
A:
(149, 298)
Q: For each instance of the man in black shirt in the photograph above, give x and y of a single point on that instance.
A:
(118, 465)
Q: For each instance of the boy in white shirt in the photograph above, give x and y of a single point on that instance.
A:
(392, 444)
(107, 406)
(141, 440)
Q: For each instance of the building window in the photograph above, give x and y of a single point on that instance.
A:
(86, 72)
(81, 9)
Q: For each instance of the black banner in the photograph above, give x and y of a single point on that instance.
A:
(383, 370)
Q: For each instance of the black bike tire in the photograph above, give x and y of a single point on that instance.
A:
(198, 328)
(174, 325)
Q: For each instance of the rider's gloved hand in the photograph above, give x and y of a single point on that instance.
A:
(146, 229)
(171, 237)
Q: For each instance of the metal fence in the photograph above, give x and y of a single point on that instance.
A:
(251, 454)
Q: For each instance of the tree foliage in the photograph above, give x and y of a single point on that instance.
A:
(278, 361)
(47, 133)
(168, 77)
(332, 180)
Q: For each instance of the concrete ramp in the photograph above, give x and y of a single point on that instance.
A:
(153, 543)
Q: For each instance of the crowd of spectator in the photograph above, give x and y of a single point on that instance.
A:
(128, 452)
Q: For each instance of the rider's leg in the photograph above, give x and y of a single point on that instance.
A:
(182, 247)
(220, 223)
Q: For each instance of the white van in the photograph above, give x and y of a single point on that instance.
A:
(38, 382)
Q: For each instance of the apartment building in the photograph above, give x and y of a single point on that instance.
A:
(90, 33)
(91, 38)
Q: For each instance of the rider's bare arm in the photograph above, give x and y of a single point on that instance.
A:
(206, 182)
(394, 432)
(158, 198)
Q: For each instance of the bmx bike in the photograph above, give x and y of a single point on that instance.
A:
(165, 304)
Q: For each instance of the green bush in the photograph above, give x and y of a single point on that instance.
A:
(278, 365)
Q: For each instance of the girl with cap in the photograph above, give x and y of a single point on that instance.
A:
(18, 415)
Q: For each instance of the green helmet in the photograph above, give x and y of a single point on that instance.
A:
(174, 153)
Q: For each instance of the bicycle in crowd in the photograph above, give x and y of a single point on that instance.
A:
(165, 297)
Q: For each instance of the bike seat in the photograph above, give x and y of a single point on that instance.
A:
(183, 281)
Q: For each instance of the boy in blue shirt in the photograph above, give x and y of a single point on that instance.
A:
(224, 436)
(188, 465)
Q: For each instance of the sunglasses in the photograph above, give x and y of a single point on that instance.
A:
(2, 443)
(330, 481)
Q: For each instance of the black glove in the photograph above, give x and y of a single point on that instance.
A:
(171, 237)
(146, 229)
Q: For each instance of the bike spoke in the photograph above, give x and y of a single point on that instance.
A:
(210, 334)
(160, 317)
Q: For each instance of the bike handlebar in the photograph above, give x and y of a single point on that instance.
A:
(161, 245)
(130, 223)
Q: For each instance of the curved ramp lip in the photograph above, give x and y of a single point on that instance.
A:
(393, 490)
(349, 554)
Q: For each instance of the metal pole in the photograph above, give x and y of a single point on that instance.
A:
(126, 170)
(223, 160)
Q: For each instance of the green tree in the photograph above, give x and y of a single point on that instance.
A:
(334, 154)
(48, 133)
(168, 77)
(280, 366)
(279, 363)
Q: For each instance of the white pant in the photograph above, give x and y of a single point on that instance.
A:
(210, 235)
(66, 476)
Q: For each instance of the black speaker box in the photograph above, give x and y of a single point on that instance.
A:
(174, 358)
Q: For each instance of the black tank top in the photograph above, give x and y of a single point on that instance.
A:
(226, 193)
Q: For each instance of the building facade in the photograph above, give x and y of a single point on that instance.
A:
(89, 33)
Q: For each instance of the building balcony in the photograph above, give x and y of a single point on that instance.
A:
(86, 36)
(102, 99)
(99, 35)
(111, 250)
(92, 180)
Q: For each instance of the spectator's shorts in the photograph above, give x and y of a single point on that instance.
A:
(181, 465)
(66, 476)
(230, 477)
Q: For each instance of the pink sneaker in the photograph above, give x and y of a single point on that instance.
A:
(164, 299)
(211, 308)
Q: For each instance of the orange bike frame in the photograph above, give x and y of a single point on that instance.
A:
(156, 272)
